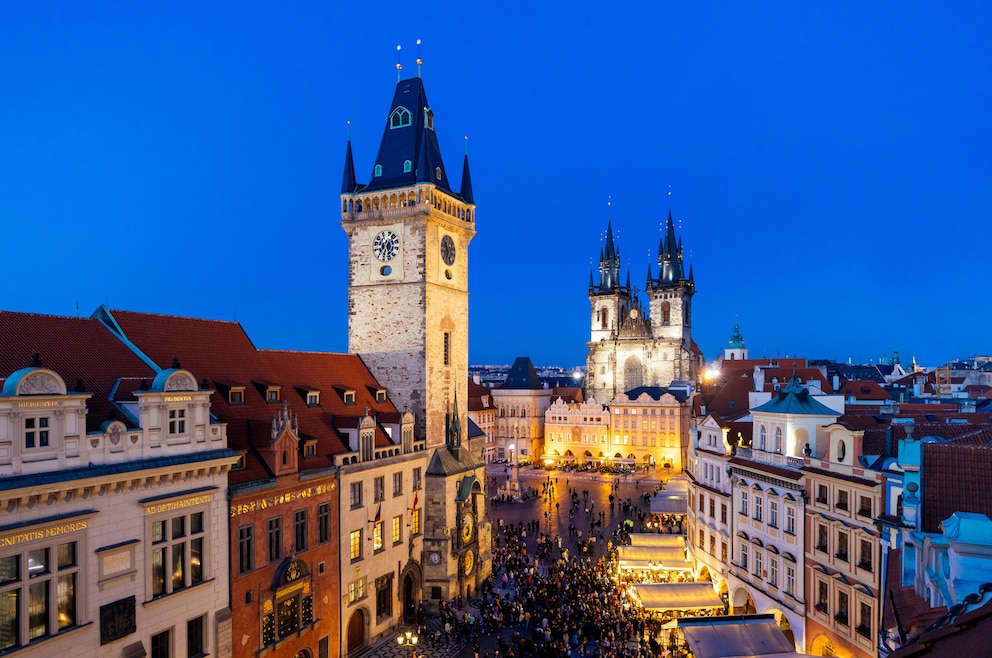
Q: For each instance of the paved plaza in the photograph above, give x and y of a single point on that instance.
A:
(599, 487)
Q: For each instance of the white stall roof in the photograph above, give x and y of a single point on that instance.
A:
(742, 636)
(668, 504)
(654, 539)
(676, 596)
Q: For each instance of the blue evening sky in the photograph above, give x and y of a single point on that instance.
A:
(831, 163)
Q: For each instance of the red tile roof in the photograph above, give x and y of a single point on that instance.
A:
(222, 353)
(75, 348)
(955, 478)
(863, 390)
(902, 603)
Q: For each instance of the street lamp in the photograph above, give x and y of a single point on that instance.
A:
(407, 640)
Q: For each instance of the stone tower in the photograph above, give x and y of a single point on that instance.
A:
(408, 235)
(632, 345)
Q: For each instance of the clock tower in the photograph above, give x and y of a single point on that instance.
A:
(408, 236)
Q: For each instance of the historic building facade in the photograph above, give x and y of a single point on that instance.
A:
(521, 402)
(408, 235)
(113, 489)
(632, 345)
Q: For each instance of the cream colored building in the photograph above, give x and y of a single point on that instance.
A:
(521, 402)
(575, 433)
(114, 532)
(649, 427)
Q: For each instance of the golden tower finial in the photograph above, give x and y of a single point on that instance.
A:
(399, 64)
(419, 61)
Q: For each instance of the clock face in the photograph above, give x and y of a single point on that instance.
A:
(386, 246)
(448, 250)
(435, 558)
(467, 527)
(469, 562)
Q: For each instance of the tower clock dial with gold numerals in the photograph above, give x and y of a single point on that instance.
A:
(467, 527)
(386, 246)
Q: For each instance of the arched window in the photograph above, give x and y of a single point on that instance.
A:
(761, 438)
(604, 318)
(378, 171)
(437, 173)
(633, 376)
(400, 118)
(778, 440)
(666, 312)
(407, 167)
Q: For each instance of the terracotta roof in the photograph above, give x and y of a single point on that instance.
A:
(221, 353)
(903, 603)
(570, 394)
(863, 390)
(75, 348)
(957, 634)
(840, 476)
(955, 478)
(788, 473)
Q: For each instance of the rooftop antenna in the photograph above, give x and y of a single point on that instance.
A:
(399, 64)
(419, 61)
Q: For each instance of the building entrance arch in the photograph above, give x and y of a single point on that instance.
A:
(357, 631)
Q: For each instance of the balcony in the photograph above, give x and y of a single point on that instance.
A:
(775, 458)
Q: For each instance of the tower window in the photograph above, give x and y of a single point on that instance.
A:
(447, 348)
(429, 118)
(407, 167)
(378, 171)
(400, 118)
(437, 173)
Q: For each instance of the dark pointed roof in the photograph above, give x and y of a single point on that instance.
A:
(466, 191)
(522, 376)
(348, 183)
(609, 262)
(670, 255)
(409, 135)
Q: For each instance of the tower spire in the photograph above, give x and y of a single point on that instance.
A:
(419, 61)
(348, 183)
(399, 64)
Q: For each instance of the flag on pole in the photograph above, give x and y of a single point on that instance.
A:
(415, 495)
(378, 514)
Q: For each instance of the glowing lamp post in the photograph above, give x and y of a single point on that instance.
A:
(408, 641)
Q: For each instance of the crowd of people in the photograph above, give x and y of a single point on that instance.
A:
(556, 604)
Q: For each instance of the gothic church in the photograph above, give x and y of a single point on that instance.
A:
(632, 345)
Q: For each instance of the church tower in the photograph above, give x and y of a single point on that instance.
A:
(632, 345)
(408, 236)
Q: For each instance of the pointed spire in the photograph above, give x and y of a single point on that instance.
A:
(628, 279)
(647, 284)
(591, 284)
(692, 279)
(466, 191)
(348, 184)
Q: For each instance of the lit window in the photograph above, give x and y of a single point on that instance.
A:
(39, 593)
(356, 590)
(377, 529)
(355, 544)
(415, 522)
(177, 553)
(397, 529)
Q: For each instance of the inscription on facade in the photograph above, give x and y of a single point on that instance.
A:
(177, 504)
(272, 501)
(34, 535)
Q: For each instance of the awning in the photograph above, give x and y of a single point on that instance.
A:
(668, 504)
(741, 635)
(652, 539)
(676, 596)
(558, 458)
(623, 460)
